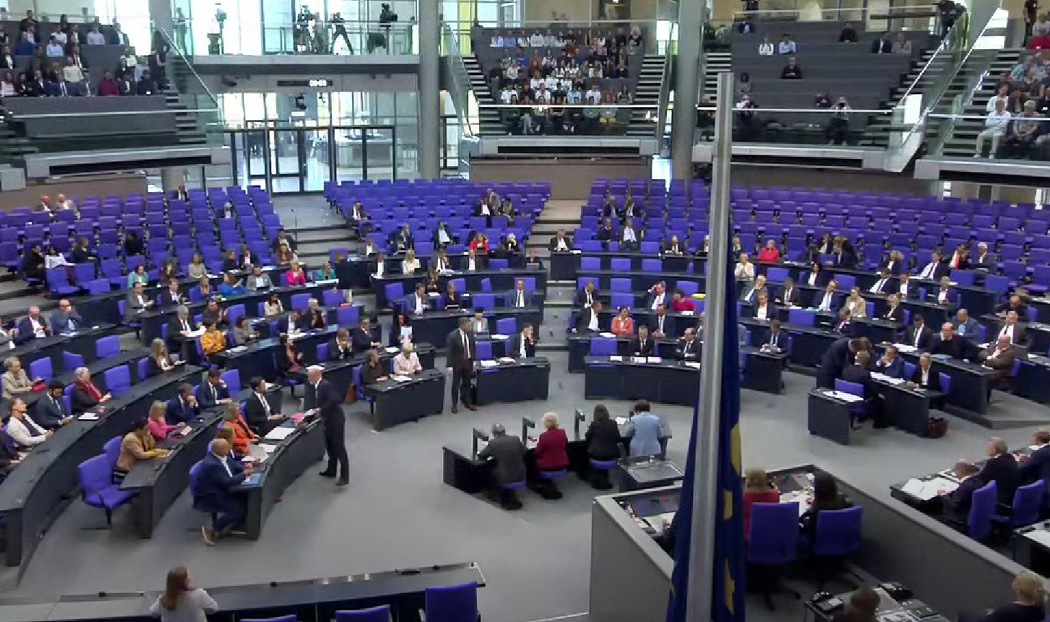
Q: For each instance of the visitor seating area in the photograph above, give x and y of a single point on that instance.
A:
(170, 229)
(795, 218)
(423, 204)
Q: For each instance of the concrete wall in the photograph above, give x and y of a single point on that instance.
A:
(831, 179)
(74, 187)
(569, 179)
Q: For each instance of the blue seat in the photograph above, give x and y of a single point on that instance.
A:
(97, 488)
(603, 346)
(483, 349)
(288, 618)
(143, 368)
(856, 409)
(946, 383)
(452, 603)
(117, 380)
(772, 544)
(359, 386)
(374, 614)
(1027, 503)
(507, 326)
(982, 512)
(347, 316)
(322, 352)
(232, 378)
(111, 450)
(107, 347)
(41, 368)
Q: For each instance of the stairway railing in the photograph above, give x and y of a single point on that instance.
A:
(193, 91)
(664, 101)
(462, 94)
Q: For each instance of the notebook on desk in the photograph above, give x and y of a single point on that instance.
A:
(252, 480)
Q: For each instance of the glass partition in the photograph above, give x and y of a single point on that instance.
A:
(561, 119)
(837, 125)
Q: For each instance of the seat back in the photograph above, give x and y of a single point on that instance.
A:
(41, 368)
(838, 532)
(347, 316)
(322, 352)
(603, 346)
(107, 346)
(982, 510)
(452, 603)
(909, 370)
(111, 450)
(946, 382)
(774, 533)
(95, 475)
(852, 388)
(118, 380)
(507, 326)
(373, 614)
(71, 361)
(484, 350)
(1028, 501)
(232, 378)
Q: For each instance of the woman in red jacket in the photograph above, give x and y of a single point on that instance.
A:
(757, 489)
(769, 254)
(480, 244)
(551, 455)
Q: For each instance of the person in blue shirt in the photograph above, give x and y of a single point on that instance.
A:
(232, 286)
(645, 431)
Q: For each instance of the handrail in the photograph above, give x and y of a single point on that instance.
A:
(887, 11)
(665, 82)
(947, 45)
(460, 78)
(180, 56)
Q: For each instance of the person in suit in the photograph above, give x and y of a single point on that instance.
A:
(965, 326)
(645, 431)
(86, 396)
(657, 295)
(945, 342)
(1013, 304)
(361, 339)
(826, 301)
(763, 309)
(674, 247)
(182, 408)
(984, 260)
(630, 238)
(917, 335)
(519, 298)
(956, 504)
(835, 360)
(260, 413)
(15, 380)
(842, 325)
(1001, 467)
(858, 373)
(418, 302)
(777, 341)
(894, 264)
(23, 431)
(960, 259)
(66, 319)
(905, 288)
(213, 391)
(882, 45)
(137, 302)
(560, 243)
(891, 364)
(945, 295)
(751, 292)
(475, 262)
(508, 454)
(642, 345)
(138, 445)
(1035, 465)
(662, 324)
(587, 319)
(689, 346)
(586, 296)
(883, 284)
(845, 255)
(826, 496)
(340, 348)
(1012, 328)
(324, 400)
(606, 233)
(523, 344)
(51, 412)
(172, 297)
(461, 347)
(935, 269)
(32, 326)
(217, 476)
(894, 311)
(924, 376)
(452, 298)
(603, 444)
(790, 296)
(290, 322)
(1000, 356)
(479, 325)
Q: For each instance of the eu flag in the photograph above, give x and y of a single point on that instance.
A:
(727, 604)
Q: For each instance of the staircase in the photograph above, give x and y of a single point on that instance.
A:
(647, 93)
(183, 87)
(964, 135)
(714, 64)
(488, 118)
(877, 132)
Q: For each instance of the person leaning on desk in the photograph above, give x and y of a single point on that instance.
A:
(181, 602)
(340, 347)
(137, 446)
(644, 430)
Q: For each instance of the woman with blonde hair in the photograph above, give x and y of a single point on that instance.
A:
(856, 305)
(757, 489)
(159, 358)
(181, 602)
(410, 263)
(158, 425)
(552, 454)
(1028, 604)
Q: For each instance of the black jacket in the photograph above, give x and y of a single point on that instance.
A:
(953, 347)
(82, 401)
(208, 395)
(957, 504)
(603, 440)
(638, 349)
(689, 351)
(336, 354)
(894, 315)
(514, 347)
(509, 455)
(1036, 468)
(1004, 471)
(360, 341)
(933, 379)
(328, 402)
(255, 414)
(924, 337)
(832, 363)
(49, 414)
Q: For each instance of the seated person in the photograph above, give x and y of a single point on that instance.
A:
(945, 342)
(863, 606)
(645, 431)
(138, 445)
(218, 475)
(243, 436)
(681, 304)
(452, 299)
(406, 363)
(891, 364)
(623, 323)
(825, 497)
(790, 296)
(232, 286)
(1035, 466)
(674, 247)
(296, 275)
(261, 415)
(289, 358)
(159, 360)
(479, 324)
(957, 504)
(791, 70)
(751, 292)
(770, 253)
(777, 341)
(315, 317)
(858, 374)
(243, 333)
(757, 489)
(1028, 605)
(1000, 356)
(213, 313)
(23, 431)
(340, 348)
(258, 281)
(417, 302)
(15, 380)
(689, 346)
(213, 340)
(519, 298)
(551, 454)
(1001, 467)
(372, 371)
(642, 345)
(763, 309)
(856, 305)
(158, 424)
(86, 396)
(410, 265)
(213, 391)
(508, 453)
(182, 408)
(603, 444)
(51, 412)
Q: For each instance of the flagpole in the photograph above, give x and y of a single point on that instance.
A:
(705, 481)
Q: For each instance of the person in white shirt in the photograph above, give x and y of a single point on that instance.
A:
(745, 270)
(994, 127)
(61, 202)
(880, 286)
(407, 363)
(95, 37)
(410, 265)
(827, 301)
(537, 40)
(380, 266)
(787, 46)
(55, 259)
(508, 96)
(763, 311)
(24, 432)
(594, 95)
(1003, 95)
(419, 300)
(495, 42)
(71, 72)
(1012, 330)
(766, 47)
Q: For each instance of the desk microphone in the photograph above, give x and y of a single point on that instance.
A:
(577, 419)
(477, 435)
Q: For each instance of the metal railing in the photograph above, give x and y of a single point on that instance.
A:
(192, 89)
(462, 93)
(656, 34)
(564, 119)
(320, 36)
(664, 101)
(909, 18)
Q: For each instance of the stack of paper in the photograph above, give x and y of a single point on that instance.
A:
(238, 348)
(654, 359)
(615, 357)
(929, 489)
(608, 335)
(638, 359)
(393, 349)
(849, 398)
(692, 364)
(400, 378)
(498, 337)
(88, 417)
(505, 360)
(904, 348)
(489, 363)
(621, 421)
(279, 433)
(268, 448)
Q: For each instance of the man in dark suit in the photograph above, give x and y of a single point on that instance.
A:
(891, 364)
(935, 269)
(560, 243)
(509, 455)
(461, 348)
(181, 323)
(843, 326)
(882, 45)
(606, 233)
(259, 412)
(147, 85)
(1013, 304)
(361, 339)
(1015, 330)
(417, 303)
(32, 326)
(475, 262)
(957, 503)
(51, 412)
(924, 376)
(126, 86)
(689, 347)
(905, 288)
(777, 341)
(1035, 466)
(834, 361)
(883, 284)
(587, 319)
(642, 345)
(750, 293)
(137, 302)
(858, 373)
(519, 298)
(1000, 356)
(66, 319)
(945, 342)
(523, 344)
(662, 325)
(1001, 468)
(674, 247)
(217, 476)
(917, 335)
(965, 326)
(340, 348)
(657, 296)
(172, 297)
(323, 399)
(213, 391)
(183, 407)
(587, 295)
(790, 296)
(763, 309)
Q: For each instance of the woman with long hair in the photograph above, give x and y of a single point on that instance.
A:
(181, 602)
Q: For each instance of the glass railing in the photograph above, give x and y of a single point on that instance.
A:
(839, 125)
(193, 92)
(663, 109)
(630, 36)
(918, 18)
(1025, 137)
(560, 119)
(462, 94)
(316, 37)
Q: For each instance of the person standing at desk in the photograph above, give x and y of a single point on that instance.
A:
(858, 374)
(1001, 468)
(1035, 466)
(522, 345)
(825, 497)
(645, 431)
(51, 412)
(461, 347)
(183, 407)
(552, 454)
(213, 391)
(587, 319)
(406, 363)
(508, 453)
(642, 345)
(218, 475)
(181, 602)
(324, 400)
(361, 340)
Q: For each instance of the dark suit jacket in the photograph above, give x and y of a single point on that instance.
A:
(1035, 468)
(924, 338)
(581, 297)
(988, 261)
(881, 45)
(335, 354)
(25, 330)
(1021, 336)
(60, 321)
(861, 376)
(818, 298)
(328, 402)
(771, 311)
(780, 340)
(554, 242)
(481, 262)
(208, 395)
(514, 347)
(832, 363)
(360, 340)
(689, 351)
(941, 269)
(603, 440)
(454, 348)
(933, 382)
(894, 369)
(410, 303)
(913, 291)
(509, 455)
(255, 414)
(146, 87)
(179, 412)
(175, 326)
(636, 347)
(654, 325)
(794, 298)
(957, 504)
(894, 315)
(213, 482)
(48, 414)
(512, 298)
(81, 400)
(1004, 471)
(606, 235)
(972, 328)
(953, 348)
(583, 319)
(169, 300)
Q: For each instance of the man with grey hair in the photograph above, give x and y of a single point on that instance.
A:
(32, 326)
(957, 503)
(1001, 468)
(323, 400)
(216, 477)
(86, 395)
(984, 259)
(181, 324)
(508, 453)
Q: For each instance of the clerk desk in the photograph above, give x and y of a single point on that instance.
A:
(81, 342)
(519, 380)
(580, 349)
(665, 382)
(33, 494)
(499, 280)
(399, 401)
(435, 326)
(565, 266)
(970, 382)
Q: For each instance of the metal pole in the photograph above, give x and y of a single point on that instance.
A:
(705, 478)
(686, 87)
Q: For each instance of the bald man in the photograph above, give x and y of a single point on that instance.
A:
(218, 475)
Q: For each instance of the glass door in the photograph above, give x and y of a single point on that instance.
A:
(286, 161)
(317, 162)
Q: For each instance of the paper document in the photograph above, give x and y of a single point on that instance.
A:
(621, 421)
(400, 378)
(1041, 536)
(88, 417)
(905, 348)
(505, 360)
(849, 398)
(279, 433)
(268, 448)
(615, 357)
(607, 335)
(692, 364)
(238, 348)
(489, 363)
(393, 349)
(499, 337)
(654, 359)
(638, 359)
(195, 333)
